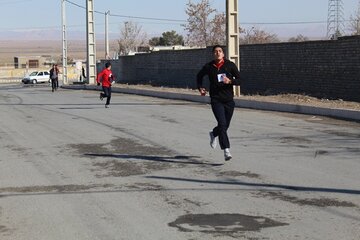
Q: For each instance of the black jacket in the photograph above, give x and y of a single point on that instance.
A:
(218, 90)
(52, 71)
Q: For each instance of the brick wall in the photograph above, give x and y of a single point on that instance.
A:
(164, 68)
(329, 69)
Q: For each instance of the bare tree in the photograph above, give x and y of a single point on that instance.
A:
(131, 37)
(355, 22)
(257, 36)
(218, 30)
(202, 29)
(298, 38)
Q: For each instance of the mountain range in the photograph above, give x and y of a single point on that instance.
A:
(316, 31)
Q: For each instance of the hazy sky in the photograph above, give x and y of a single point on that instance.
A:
(20, 15)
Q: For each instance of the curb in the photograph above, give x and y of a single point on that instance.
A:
(242, 103)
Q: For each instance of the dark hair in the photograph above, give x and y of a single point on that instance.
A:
(217, 46)
(108, 64)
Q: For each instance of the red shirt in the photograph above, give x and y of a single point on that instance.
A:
(106, 77)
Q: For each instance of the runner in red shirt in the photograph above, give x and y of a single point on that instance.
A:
(106, 78)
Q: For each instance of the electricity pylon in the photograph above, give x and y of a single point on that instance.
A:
(335, 22)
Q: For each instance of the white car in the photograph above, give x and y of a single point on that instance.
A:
(37, 77)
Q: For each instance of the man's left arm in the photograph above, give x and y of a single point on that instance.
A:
(111, 77)
(235, 75)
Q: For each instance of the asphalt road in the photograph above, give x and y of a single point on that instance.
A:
(143, 169)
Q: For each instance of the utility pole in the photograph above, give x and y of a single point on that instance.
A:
(107, 54)
(64, 42)
(335, 22)
(232, 35)
(90, 41)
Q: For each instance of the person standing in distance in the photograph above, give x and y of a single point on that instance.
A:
(222, 74)
(54, 77)
(106, 78)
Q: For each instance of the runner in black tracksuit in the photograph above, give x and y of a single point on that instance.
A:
(223, 74)
(54, 77)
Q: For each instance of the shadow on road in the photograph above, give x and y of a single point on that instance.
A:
(166, 159)
(286, 187)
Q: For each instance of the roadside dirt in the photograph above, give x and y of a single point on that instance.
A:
(280, 98)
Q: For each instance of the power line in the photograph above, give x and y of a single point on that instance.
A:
(75, 4)
(78, 5)
(148, 18)
(184, 21)
(281, 23)
(169, 21)
(128, 16)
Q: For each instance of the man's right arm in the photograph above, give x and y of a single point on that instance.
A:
(99, 76)
(200, 76)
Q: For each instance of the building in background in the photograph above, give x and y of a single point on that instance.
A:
(33, 61)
